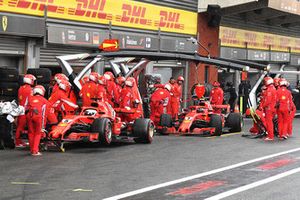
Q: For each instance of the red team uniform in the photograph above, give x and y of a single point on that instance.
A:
(24, 93)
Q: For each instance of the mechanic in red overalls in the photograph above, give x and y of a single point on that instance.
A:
(24, 93)
(291, 117)
(58, 78)
(89, 90)
(269, 106)
(217, 96)
(120, 81)
(38, 109)
(58, 97)
(159, 103)
(139, 113)
(127, 100)
(173, 105)
(112, 93)
(284, 101)
(259, 112)
(276, 83)
(102, 93)
(176, 97)
(84, 80)
(69, 110)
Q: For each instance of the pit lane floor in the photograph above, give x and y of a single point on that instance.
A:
(88, 171)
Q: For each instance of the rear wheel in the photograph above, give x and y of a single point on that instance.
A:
(103, 126)
(216, 122)
(234, 122)
(143, 130)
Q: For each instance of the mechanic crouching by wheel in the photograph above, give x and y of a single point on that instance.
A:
(269, 107)
(37, 113)
(284, 101)
(24, 93)
(159, 103)
(217, 96)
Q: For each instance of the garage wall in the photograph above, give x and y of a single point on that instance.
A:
(48, 54)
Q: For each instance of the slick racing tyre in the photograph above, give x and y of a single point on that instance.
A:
(8, 98)
(165, 120)
(216, 122)
(235, 122)
(43, 75)
(9, 74)
(9, 89)
(143, 131)
(103, 126)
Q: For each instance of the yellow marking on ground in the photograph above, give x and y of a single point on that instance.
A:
(25, 183)
(230, 134)
(224, 135)
(211, 137)
(82, 190)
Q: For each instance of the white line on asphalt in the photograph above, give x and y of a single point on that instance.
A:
(166, 184)
(253, 185)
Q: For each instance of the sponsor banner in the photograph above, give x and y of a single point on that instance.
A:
(125, 13)
(231, 37)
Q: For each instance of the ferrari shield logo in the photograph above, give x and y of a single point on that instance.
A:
(4, 23)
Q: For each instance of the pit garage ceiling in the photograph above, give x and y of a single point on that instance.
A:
(283, 13)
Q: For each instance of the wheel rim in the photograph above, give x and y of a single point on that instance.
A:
(151, 132)
(242, 122)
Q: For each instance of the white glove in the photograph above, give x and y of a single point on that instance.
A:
(136, 101)
(127, 108)
(10, 118)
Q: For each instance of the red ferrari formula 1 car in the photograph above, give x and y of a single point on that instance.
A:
(202, 119)
(100, 124)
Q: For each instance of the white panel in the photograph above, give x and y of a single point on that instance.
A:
(202, 4)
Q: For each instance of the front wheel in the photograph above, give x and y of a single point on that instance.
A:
(216, 122)
(143, 131)
(103, 126)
